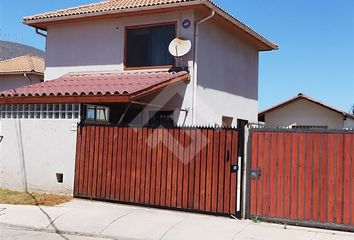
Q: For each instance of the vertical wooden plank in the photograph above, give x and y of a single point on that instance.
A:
(78, 160)
(148, 165)
(153, 167)
(133, 159)
(287, 175)
(143, 165)
(139, 152)
(280, 175)
(170, 168)
(186, 161)
(87, 160)
(209, 170)
(301, 176)
(273, 175)
(308, 176)
(233, 180)
(262, 152)
(347, 179)
(197, 178)
(331, 178)
(192, 172)
(124, 164)
(109, 162)
(222, 168)
(158, 166)
(323, 178)
(128, 169)
(114, 164)
(164, 163)
(339, 178)
(227, 170)
(214, 189)
(95, 160)
(254, 165)
(266, 175)
(316, 179)
(104, 162)
(175, 162)
(180, 169)
(100, 162)
(119, 163)
(203, 168)
(294, 175)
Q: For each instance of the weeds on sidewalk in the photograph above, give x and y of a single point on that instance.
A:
(255, 220)
(14, 197)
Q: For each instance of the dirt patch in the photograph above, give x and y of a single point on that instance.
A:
(21, 198)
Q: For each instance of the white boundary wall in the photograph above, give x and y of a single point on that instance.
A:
(34, 150)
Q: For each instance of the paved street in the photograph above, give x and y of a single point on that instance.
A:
(86, 220)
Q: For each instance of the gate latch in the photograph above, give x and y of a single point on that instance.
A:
(255, 174)
(234, 168)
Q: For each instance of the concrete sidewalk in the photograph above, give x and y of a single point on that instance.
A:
(81, 219)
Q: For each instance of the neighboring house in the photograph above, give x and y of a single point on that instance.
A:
(303, 112)
(109, 62)
(21, 71)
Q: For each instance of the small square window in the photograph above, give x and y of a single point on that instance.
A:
(97, 113)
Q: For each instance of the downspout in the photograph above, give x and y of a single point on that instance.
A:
(195, 64)
(29, 80)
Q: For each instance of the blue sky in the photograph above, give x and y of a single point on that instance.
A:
(316, 40)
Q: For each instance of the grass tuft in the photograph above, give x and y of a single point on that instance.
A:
(22, 198)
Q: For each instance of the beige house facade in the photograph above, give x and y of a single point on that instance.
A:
(303, 112)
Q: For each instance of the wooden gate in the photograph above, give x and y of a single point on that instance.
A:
(304, 178)
(179, 168)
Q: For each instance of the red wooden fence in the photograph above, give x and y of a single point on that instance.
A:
(304, 177)
(172, 168)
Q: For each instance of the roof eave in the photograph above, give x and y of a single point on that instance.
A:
(39, 23)
(265, 45)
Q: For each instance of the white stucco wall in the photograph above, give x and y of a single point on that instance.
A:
(99, 45)
(227, 77)
(305, 113)
(17, 80)
(34, 150)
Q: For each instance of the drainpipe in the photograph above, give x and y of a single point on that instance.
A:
(29, 80)
(195, 64)
(40, 33)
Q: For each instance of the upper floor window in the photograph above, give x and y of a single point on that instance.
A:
(148, 46)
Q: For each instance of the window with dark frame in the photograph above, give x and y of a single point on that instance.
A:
(97, 113)
(148, 46)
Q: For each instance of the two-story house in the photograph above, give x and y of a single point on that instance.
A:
(109, 61)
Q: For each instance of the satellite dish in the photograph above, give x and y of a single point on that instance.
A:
(180, 47)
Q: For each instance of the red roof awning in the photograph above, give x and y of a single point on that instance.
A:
(94, 87)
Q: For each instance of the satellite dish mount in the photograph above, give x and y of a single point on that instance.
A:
(178, 48)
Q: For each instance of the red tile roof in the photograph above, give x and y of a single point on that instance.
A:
(98, 84)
